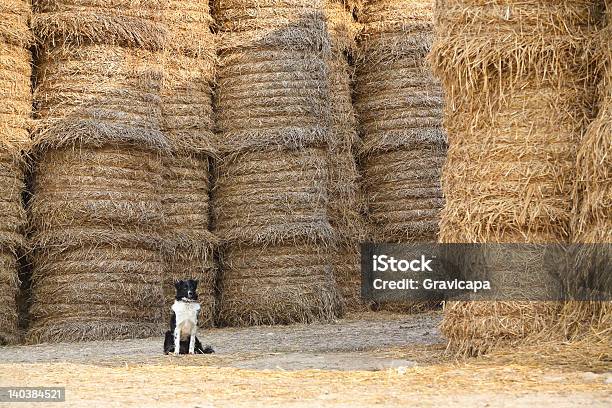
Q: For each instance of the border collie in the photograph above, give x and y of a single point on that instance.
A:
(181, 338)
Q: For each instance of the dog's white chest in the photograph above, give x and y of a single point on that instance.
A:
(186, 316)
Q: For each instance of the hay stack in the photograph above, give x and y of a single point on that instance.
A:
(594, 181)
(593, 208)
(399, 106)
(271, 197)
(190, 57)
(345, 198)
(516, 82)
(15, 116)
(96, 211)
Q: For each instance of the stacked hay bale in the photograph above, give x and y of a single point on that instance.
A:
(399, 106)
(271, 197)
(593, 207)
(517, 87)
(15, 113)
(96, 212)
(187, 121)
(345, 201)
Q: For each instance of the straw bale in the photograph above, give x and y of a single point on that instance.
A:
(185, 200)
(404, 194)
(89, 289)
(9, 284)
(130, 23)
(294, 24)
(395, 29)
(186, 98)
(12, 241)
(188, 23)
(271, 98)
(476, 41)
(592, 212)
(593, 192)
(277, 284)
(96, 215)
(15, 22)
(399, 105)
(475, 328)
(15, 97)
(343, 121)
(90, 286)
(99, 94)
(517, 79)
(345, 201)
(508, 178)
(107, 186)
(188, 249)
(513, 171)
(272, 197)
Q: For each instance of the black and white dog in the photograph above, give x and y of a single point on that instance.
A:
(181, 338)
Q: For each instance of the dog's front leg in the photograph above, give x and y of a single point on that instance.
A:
(177, 340)
(192, 340)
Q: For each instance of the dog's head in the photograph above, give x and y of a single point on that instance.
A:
(186, 290)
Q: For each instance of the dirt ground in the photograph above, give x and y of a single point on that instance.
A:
(368, 359)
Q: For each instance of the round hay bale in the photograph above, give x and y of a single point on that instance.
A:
(272, 196)
(107, 186)
(186, 98)
(16, 97)
(289, 24)
(188, 243)
(343, 121)
(278, 284)
(345, 200)
(134, 23)
(392, 30)
(188, 23)
(98, 94)
(95, 288)
(97, 273)
(14, 22)
(271, 97)
(399, 105)
(404, 194)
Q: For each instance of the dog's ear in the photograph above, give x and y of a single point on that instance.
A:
(195, 284)
(177, 284)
